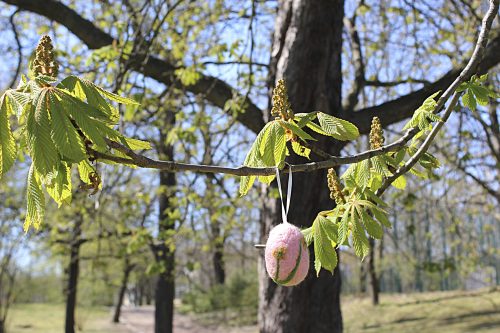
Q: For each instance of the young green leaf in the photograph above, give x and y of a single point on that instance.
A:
(38, 127)
(300, 150)
(338, 128)
(399, 183)
(7, 144)
(64, 134)
(35, 201)
(373, 228)
(296, 130)
(58, 184)
(324, 250)
(359, 240)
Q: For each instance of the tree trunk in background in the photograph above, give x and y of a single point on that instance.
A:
(381, 278)
(123, 288)
(362, 277)
(412, 230)
(164, 250)
(307, 54)
(218, 256)
(73, 271)
(373, 273)
(397, 276)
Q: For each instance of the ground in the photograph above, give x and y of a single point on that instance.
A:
(451, 312)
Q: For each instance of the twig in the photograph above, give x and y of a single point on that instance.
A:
(170, 166)
(466, 73)
(423, 148)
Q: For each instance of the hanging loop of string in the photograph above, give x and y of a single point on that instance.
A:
(284, 211)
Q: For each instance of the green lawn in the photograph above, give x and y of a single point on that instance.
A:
(449, 312)
(49, 318)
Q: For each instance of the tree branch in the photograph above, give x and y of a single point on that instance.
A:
(358, 62)
(403, 107)
(378, 83)
(170, 166)
(465, 74)
(214, 90)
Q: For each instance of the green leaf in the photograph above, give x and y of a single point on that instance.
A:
(8, 151)
(338, 128)
(300, 150)
(481, 93)
(35, 201)
(308, 235)
(58, 184)
(108, 94)
(304, 118)
(246, 183)
(38, 127)
(316, 128)
(89, 126)
(429, 161)
(399, 183)
(296, 130)
(373, 228)
(273, 145)
(359, 172)
(424, 114)
(379, 166)
(381, 216)
(18, 100)
(85, 169)
(344, 226)
(74, 104)
(324, 250)
(136, 144)
(64, 134)
(469, 100)
(359, 240)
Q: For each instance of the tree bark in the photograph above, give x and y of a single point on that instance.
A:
(164, 250)
(123, 288)
(306, 52)
(73, 272)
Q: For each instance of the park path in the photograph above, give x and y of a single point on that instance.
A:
(141, 320)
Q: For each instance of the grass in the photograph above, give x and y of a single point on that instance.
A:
(450, 312)
(49, 318)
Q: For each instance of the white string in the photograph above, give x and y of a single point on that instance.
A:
(284, 212)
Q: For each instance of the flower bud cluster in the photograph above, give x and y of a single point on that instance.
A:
(376, 134)
(281, 106)
(335, 187)
(44, 63)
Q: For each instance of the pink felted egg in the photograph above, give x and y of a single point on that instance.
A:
(286, 255)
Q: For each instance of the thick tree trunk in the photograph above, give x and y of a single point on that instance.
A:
(307, 54)
(373, 273)
(73, 271)
(164, 251)
(123, 288)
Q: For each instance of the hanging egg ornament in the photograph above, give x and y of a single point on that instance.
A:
(286, 255)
